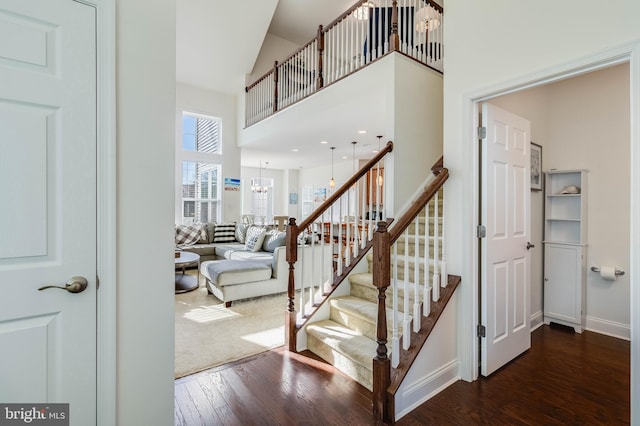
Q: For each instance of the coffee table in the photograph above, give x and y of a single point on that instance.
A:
(187, 282)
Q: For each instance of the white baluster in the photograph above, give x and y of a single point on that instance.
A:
(436, 254)
(416, 276)
(444, 278)
(406, 326)
(395, 340)
(427, 288)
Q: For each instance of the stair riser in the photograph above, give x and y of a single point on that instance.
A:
(371, 294)
(352, 369)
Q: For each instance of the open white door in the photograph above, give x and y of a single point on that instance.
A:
(504, 251)
(48, 214)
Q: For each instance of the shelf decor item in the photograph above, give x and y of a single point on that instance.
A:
(536, 167)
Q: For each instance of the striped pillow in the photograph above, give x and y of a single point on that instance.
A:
(225, 233)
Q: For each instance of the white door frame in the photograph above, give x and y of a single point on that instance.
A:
(469, 305)
(106, 221)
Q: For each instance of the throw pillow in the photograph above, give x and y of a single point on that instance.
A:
(211, 230)
(255, 237)
(204, 236)
(241, 232)
(224, 233)
(188, 234)
(273, 239)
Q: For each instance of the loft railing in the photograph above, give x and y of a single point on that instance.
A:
(408, 256)
(360, 36)
(336, 235)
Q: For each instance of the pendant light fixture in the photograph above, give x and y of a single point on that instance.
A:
(354, 156)
(332, 182)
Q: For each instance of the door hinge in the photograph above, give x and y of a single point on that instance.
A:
(481, 231)
(482, 132)
(97, 282)
(482, 331)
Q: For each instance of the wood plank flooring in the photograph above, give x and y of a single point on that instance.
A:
(565, 378)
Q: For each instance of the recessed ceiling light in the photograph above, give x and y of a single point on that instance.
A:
(362, 132)
(375, 152)
(324, 142)
(344, 157)
(295, 150)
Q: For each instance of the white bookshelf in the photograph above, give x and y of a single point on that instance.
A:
(565, 248)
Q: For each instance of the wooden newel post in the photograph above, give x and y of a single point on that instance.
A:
(320, 79)
(394, 38)
(275, 86)
(290, 314)
(381, 280)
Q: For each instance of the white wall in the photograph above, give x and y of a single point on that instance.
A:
(416, 129)
(491, 46)
(273, 49)
(207, 102)
(146, 100)
(583, 123)
(589, 128)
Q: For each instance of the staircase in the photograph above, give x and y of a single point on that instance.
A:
(402, 294)
(347, 339)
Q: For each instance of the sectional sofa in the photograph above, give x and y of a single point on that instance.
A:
(241, 261)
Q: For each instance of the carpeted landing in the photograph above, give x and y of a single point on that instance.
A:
(207, 334)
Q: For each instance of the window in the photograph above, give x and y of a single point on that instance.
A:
(200, 134)
(200, 171)
(200, 189)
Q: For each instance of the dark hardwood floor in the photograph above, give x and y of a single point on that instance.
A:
(564, 379)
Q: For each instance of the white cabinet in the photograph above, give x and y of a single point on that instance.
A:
(565, 247)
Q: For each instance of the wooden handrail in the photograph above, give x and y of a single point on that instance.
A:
(401, 224)
(345, 187)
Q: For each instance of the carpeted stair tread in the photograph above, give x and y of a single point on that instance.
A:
(349, 351)
(362, 287)
(361, 315)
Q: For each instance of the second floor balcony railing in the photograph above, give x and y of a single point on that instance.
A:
(363, 34)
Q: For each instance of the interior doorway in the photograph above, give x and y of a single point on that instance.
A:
(583, 122)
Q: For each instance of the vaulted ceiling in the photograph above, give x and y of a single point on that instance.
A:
(218, 41)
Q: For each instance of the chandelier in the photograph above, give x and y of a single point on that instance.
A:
(257, 185)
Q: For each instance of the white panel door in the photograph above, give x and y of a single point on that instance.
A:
(505, 256)
(48, 213)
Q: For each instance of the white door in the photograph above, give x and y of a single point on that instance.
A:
(504, 251)
(48, 207)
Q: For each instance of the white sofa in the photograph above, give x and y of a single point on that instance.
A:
(234, 272)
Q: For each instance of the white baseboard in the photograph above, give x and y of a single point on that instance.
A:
(610, 328)
(428, 387)
(536, 320)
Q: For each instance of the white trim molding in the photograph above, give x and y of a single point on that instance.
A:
(536, 320)
(610, 328)
(106, 221)
(428, 387)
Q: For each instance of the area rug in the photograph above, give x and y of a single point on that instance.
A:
(209, 335)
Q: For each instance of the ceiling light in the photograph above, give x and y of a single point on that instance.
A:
(362, 132)
(324, 142)
(295, 150)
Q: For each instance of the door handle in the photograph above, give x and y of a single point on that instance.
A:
(529, 245)
(74, 285)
